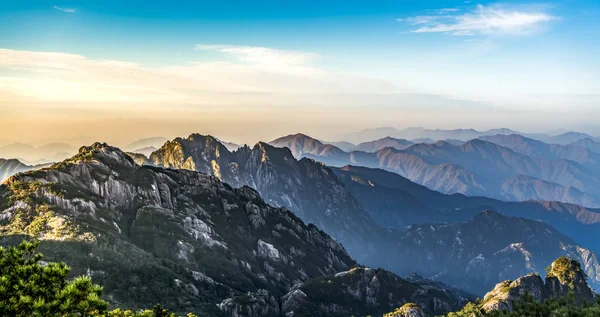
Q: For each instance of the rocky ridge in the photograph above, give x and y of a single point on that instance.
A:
(564, 278)
(186, 240)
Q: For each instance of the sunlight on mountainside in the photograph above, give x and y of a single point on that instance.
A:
(299, 159)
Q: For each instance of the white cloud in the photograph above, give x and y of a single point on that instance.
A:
(67, 10)
(274, 60)
(255, 75)
(481, 20)
(262, 55)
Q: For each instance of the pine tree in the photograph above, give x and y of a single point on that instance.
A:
(29, 287)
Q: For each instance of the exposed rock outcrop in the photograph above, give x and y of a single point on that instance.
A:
(564, 278)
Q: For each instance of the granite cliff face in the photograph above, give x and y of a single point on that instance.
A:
(565, 277)
(364, 291)
(153, 235)
(191, 242)
(308, 188)
(357, 205)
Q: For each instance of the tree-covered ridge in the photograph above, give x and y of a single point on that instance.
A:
(31, 287)
(528, 306)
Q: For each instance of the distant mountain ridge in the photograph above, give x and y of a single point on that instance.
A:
(301, 144)
(351, 216)
(193, 243)
(41, 154)
(479, 167)
(538, 149)
(457, 134)
(11, 167)
(477, 252)
(374, 146)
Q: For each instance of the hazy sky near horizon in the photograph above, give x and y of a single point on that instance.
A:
(250, 70)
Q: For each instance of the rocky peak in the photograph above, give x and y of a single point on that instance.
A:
(407, 310)
(505, 293)
(364, 291)
(104, 153)
(309, 189)
(181, 232)
(564, 277)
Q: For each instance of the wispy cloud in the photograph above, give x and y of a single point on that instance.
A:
(67, 10)
(262, 55)
(480, 20)
(254, 73)
(276, 60)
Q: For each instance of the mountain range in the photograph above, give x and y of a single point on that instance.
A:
(170, 219)
(37, 155)
(458, 134)
(510, 167)
(13, 166)
(354, 205)
(193, 243)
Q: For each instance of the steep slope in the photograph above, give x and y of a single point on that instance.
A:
(565, 276)
(308, 188)
(301, 144)
(364, 291)
(11, 167)
(475, 254)
(393, 201)
(374, 146)
(567, 137)
(446, 178)
(342, 145)
(193, 243)
(588, 143)
(482, 168)
(344, 206)
(152, 235)
(521, 188)
(138, 158)
(538, 149)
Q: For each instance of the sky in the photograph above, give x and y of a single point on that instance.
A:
(118, 71)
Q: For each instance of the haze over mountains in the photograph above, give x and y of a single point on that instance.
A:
(347, 211)
(458, 134)
(241, 217)
(508, 167)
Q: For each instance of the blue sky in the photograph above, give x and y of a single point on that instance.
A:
(404, 59)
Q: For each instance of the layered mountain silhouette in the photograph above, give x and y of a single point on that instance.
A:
(538, 149)
(11, 167)
(415, 133)
(361, 207)
(174, 222)
(37, 155)
(193, 243)
(482, 168)
(379, 144)
(393, 201)
(484, 250)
